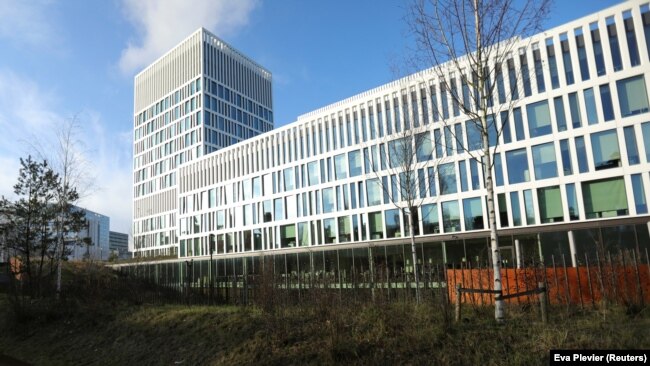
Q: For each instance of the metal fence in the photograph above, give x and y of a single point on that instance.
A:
(622, 277)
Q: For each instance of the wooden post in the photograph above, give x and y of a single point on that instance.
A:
(639, 288)
(542, 301)
(591, 289)
(457, 302)
(582, 305)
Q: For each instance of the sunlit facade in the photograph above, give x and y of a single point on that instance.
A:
(201, 96)
(572, 165)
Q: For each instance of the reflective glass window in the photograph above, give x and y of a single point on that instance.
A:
(430, 223)
(525, 72)
(572, 201)
(645, 17)
(560, 116)
(328, 200)
(639, 194)
(613, 44)
(329, 227)
(393, 224)
(278, 203)
(605, 198)
(645, 132)
(597, 47)
(340, 167)
(473, 167)
(374, 191)
(303, 234)
(473, 211)
(530, 209)
(516, 208)
(582, 55)
(590, 104)
(505, 129)
(447, 178)
(550, 205)
(314, 173)
(450, 216)
(376, 225)
(345, 230)
(632, 47)
(552, 63)
(424, 146)
(581, 153)
(289, 179)
(498, 170)
(631, 146)
(462, 169)
(566, 59)
(539, 69)
(519, 124)
(574, 108)
(354, 159)
(503, 210)
(605, 150)
(567, 168)
(632, 96)
(606, 102)
(517, 162)
(544, 161)
(539, 119)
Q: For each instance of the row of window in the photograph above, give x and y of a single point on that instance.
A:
(166, 103)
(230, 68)
(192, 137)
(459, 137)
(549, 160)
(548, 247)
(601, 198)
(223, 99)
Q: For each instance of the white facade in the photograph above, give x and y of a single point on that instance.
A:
(201, 96)
(574, 157)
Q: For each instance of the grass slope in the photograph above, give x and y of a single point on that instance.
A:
(362, 334)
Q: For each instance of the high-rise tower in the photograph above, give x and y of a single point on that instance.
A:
(200, 96)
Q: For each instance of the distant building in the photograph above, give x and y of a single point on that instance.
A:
(97, 231)
(119, 243)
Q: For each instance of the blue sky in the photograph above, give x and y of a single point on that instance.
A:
(77, 58)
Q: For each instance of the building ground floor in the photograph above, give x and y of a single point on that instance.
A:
(569, 245)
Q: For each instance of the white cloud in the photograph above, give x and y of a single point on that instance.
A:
(112, 167)
(29, 117)
(24, 113)
(161, 24)
(27, 22)
(10, 167)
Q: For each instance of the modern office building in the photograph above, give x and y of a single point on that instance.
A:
(572, 164)
(201, 96)
(91, 242)
(118, 243)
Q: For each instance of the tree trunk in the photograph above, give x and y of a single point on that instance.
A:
(499, 306)
(414, 257)
(59, 258)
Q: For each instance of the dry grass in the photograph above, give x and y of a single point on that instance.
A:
(348, 334)
(97, 325)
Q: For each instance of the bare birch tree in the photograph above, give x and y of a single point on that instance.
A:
(67, 158)
(405, 173)
(472, 41)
